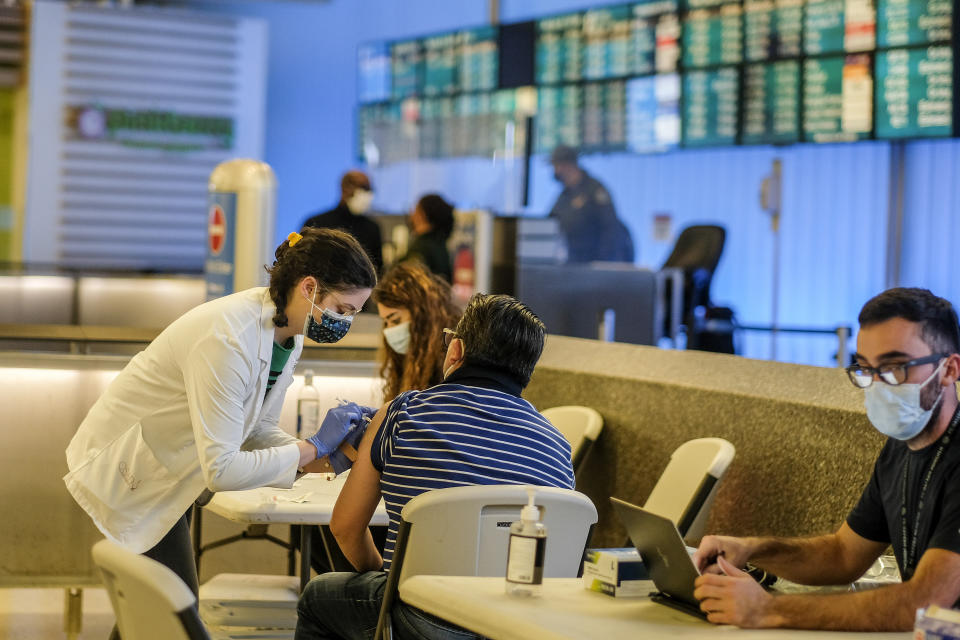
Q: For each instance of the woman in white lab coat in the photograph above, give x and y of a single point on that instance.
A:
(198, 408)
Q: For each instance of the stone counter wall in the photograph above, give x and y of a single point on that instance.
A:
(804, 446)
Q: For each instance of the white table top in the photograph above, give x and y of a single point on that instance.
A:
(567, 610)
(310, 501)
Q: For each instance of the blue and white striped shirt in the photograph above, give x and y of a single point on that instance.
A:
(471, 429)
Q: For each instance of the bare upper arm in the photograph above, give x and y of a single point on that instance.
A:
(361, 493)
(857, 552)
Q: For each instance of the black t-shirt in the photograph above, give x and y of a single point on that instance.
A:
(365, 230)
(878, 517)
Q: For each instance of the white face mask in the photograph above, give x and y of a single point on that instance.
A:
(360, 201)
(398, 337)
(895, 411)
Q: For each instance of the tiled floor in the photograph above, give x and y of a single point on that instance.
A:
(37, 614)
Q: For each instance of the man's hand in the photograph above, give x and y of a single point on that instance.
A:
(336, 425)
(736, 551)
(734, 598)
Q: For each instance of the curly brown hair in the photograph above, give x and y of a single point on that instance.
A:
(409, 285)
(333, 257)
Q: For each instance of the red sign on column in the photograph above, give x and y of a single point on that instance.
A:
(216, 229)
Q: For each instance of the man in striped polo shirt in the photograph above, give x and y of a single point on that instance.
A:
(473, 428)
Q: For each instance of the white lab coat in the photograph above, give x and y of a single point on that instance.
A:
(186, 413)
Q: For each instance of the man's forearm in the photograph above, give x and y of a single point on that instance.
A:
(360, 551)
(882, 609)
(814, 561)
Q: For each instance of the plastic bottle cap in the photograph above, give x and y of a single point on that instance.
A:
(308, 377)
(530, 513)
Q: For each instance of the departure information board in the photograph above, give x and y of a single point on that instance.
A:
(712, 33)
(559, 49)
(478, 59)
(837, 98)
(915, 92)
(650, 75)
(773, 29)
(655, 37)
(838, 26)
(909, 22)
(710, 104)
(407, 67)
(771, 103)
(653, 113)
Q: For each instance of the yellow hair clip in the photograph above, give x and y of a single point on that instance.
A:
(294, 238)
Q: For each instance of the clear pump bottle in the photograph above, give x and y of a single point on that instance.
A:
(308, 407)
(525, 555)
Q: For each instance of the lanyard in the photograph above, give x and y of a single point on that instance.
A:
(909, 544)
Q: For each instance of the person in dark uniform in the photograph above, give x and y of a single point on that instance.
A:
(586, 214)
(432, 221)
(356, 194)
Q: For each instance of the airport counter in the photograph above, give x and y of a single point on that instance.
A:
(804, 447)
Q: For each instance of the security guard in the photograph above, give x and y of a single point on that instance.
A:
(586, 214)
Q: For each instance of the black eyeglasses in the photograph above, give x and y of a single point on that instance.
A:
(448, 335)
(893, 374)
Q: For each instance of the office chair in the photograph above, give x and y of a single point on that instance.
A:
(580, 426)
(686, 488)
(697, 253)
(150, 601)
(464, 531)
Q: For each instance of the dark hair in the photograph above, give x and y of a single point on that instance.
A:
(500, 331)
(936, 316)
(439, 213)
(333, 257)
(411, 286)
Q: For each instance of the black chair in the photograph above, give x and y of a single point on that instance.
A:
(697, 253)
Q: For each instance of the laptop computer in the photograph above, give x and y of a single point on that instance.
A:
(664, 555)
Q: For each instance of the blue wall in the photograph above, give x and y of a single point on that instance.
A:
(834, 229)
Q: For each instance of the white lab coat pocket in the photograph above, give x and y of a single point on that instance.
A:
(121, 484)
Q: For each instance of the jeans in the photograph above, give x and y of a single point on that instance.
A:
(175, 551)
(347, 605)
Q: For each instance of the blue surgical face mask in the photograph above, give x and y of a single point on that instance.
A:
(398, 337)
(331, 328)
(895, 411)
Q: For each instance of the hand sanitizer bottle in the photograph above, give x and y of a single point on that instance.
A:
(528, 545)
(308, 407)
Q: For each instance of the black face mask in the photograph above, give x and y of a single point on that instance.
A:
(558, 177)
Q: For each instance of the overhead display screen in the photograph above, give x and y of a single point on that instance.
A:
(478, 59)
(653, 113)
(837, 98)
(439, 65)
(773, 29)
(909, 22)
(559, 49)
(606, 43)
(915, 92)
(407, 68)
(651, 75)
(712, 33)
(771, 103)
(710, 104)
(655, 37)
(838, 26)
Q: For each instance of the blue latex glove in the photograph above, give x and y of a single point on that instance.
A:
(338, 459)
(335, 427)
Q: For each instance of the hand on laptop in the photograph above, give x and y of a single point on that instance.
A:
(734, 597)
(736, 551)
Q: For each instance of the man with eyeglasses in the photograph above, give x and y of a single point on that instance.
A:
(907, 365)
(473, 428)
